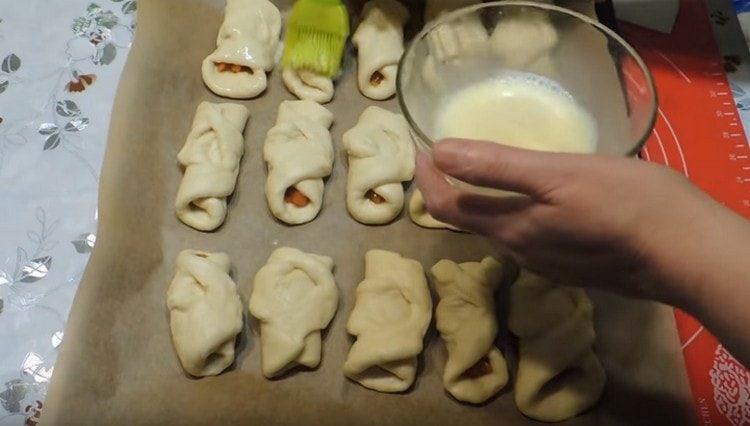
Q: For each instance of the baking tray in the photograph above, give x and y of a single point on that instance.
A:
(117, 364)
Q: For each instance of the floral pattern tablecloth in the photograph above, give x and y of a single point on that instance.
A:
(59, 66)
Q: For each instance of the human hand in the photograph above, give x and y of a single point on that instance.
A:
(586, 220)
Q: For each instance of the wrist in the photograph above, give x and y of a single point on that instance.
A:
(695, 258)
(670, 243)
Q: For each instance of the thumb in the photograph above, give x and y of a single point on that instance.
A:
(492, 165)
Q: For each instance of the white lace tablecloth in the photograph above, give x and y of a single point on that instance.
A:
(60, 63)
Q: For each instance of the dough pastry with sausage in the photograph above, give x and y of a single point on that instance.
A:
(390, 317)
(299, 153)
(379, 40)
(419, 214)
(449, 40)
(308, 85)
(381, 157)
(465, 317)
(555, 329)
(539, 39)
(294, 297)
(245, 49)
(211, 158)
(205, 312)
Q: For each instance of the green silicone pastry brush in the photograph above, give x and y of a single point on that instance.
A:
(315, 36)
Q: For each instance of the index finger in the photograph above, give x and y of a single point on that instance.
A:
(493, 165)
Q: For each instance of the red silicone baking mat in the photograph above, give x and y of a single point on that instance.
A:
(698, 132)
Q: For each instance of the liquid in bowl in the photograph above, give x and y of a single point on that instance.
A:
(523, 110)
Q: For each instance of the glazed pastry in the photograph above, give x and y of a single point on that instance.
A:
(449, 41)
(465, 317)
(211, 158)
(294, 298)
(539, 39)
(205, 312)
(308, 85)
(245, 49)
(379, 40)
(555, 330)
(381, 157)
(419, 214)
(435, 8)
(299, 154)
(452, 39)
(390, 317)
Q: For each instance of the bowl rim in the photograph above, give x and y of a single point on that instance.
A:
(423, 139)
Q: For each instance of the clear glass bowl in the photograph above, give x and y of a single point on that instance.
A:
(602, 73)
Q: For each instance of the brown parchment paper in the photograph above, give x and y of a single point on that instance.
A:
(117, 364)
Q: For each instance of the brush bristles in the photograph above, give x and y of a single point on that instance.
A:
(313, 49)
